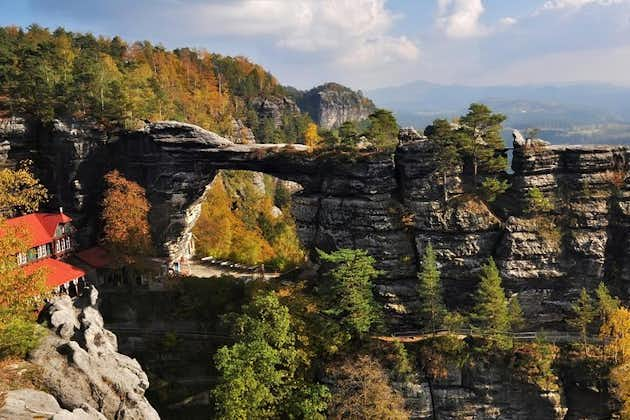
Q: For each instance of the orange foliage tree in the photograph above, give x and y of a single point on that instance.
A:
(126, 232)
(19, 291)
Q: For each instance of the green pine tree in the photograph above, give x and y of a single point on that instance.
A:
(446, 141)
(481, 140)
(517, 320)
(491, 310)
(606, 303)
(432, 308)
(349, 289)
(583, 315)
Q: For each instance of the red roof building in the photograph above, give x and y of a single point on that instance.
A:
(96, 257)
(50, 236)
(57, 272)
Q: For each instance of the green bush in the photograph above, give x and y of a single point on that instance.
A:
(491, 188)
(18, 337)
(533, 363)
(537, 202)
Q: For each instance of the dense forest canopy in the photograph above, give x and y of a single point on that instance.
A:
(62, 74)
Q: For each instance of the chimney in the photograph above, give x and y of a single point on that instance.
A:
(60, 210)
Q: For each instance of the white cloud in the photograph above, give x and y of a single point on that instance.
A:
(352, 31)
(576, 4)
(508, 21)
(460, 18)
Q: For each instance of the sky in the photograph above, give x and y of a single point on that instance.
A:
(368, 44)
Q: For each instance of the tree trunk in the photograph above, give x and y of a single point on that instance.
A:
(444, 187)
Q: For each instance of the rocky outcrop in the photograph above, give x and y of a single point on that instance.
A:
(481, 391)
(332, 104)
(28, 404)
(393, 207)
(274, 108)
(81, 367)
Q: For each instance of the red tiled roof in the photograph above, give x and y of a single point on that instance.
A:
(41, 226)
(96, 256)
(57, 272)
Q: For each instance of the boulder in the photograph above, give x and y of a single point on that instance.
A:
(84, 371)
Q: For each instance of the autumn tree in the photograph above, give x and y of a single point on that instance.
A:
(362, 391)
(20, 191)
(615, 332)
(262, 375)
(432, 308)
(620, 378)
(349, 289)
(21, 291)
(311, 136)
(126, 232)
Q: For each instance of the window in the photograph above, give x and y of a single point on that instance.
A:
(42, 251)
(57, 248)
(22, 258)
(68, 242)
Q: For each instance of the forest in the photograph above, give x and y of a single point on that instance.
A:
(61, 74)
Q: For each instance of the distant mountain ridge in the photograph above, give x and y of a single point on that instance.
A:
(568, 113)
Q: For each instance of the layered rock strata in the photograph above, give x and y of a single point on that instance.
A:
(393, 206)
(331, 104)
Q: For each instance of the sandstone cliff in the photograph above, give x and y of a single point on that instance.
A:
(82, 370)
(332, 104)
(390, 206)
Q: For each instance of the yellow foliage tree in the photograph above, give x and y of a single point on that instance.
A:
(213, 229)
(615, 332)
(126, 232)
(311, 136)
(19, 292)
(620, 378)
(20, 192)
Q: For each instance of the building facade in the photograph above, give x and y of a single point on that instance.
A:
(51, 241)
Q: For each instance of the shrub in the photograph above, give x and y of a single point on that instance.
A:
(491, 188)
(533, 363)
(18, 337)
(537, 202)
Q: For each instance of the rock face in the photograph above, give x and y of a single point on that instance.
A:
(392, 207)
(274, 108)
(332, 104)
(82, 368)
(481, 392)
(28, 404)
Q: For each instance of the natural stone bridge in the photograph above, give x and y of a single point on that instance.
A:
(390, 205)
